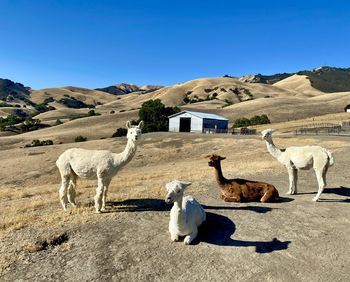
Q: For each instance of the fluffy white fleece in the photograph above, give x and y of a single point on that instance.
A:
(302, 157)
(186, 214)
(94, 164)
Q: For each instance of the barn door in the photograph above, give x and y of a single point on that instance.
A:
(185, 124)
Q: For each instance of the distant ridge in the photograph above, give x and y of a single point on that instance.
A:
(125, 88)
(9, 89)
(326, 79)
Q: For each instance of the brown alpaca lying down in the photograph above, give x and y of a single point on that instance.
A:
(241, 190)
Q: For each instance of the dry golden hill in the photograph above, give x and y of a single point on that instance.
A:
(92, 97)
(290, 99)
(299, 83)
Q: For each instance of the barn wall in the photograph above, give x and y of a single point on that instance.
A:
(196, 123)
(174, 124)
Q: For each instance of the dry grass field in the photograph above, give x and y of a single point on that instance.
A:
(294, 240)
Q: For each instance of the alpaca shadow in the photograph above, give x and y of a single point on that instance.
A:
(256, 209)
(284, 200)
(340, 191)
(137, 205)
(218, 230)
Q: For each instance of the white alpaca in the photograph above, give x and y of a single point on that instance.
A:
(305, 157)
(94, 164)
(186, 215)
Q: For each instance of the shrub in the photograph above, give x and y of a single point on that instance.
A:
(80, 138)
(120, 132)
(112, 112)
(58, 122)
(92, 113)
(48, 100)
(186, 100)
(241, 122)
(71, 102)
(244, 122)
(37, 142)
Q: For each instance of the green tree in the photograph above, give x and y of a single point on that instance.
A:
(155, 115)
(241, 122)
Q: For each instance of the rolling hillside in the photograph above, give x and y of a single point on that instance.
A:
(291, 98)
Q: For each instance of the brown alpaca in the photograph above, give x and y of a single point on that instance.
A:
(241, 190)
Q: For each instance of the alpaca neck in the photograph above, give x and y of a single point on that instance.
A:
(180, 215)
(128, 153)
(219, 176)
(274, 151)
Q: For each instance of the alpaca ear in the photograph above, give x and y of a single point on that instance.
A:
(140, 124)
(222, 158)
(207, 156)
(184, 184)
(128, 124)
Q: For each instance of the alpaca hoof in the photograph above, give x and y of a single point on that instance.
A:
(98, 211)
(187, 240)
(74, 205)
(315, 199)
(174, 238)
(290, 193)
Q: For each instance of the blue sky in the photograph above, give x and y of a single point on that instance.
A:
(99, 43)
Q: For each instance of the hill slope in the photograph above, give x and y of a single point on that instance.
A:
(325, 79)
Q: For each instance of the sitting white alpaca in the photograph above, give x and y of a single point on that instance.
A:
(94, 164)
(304, 157)
(186, 215)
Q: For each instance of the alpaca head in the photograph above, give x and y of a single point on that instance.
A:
(134, 131)
(214, 160)
(267, 134)
(174, 190)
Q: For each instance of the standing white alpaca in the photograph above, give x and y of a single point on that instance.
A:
(186, 215)
(94, 164)
(304, 157)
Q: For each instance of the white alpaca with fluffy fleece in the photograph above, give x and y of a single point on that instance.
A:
(186, 214)
(94, 164)
(303, 157)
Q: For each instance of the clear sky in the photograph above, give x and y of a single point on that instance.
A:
(54, 43)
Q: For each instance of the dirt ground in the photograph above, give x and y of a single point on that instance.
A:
(293, 240)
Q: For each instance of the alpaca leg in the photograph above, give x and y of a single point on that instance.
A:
(189, 238)
(99, 194)
(295, 177)
(268, 196)
(174, 237)
(232, 198)
(321, 185)
(104, 196)
(63, 191)
(71, 191)
(324, 175)
(292, 180)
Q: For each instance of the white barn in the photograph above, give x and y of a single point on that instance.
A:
(188, 121)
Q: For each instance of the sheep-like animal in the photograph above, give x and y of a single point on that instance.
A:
(186, 215)
(94, 164)
(241, 190)
(302, 157)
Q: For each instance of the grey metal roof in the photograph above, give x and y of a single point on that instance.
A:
(201, 115)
